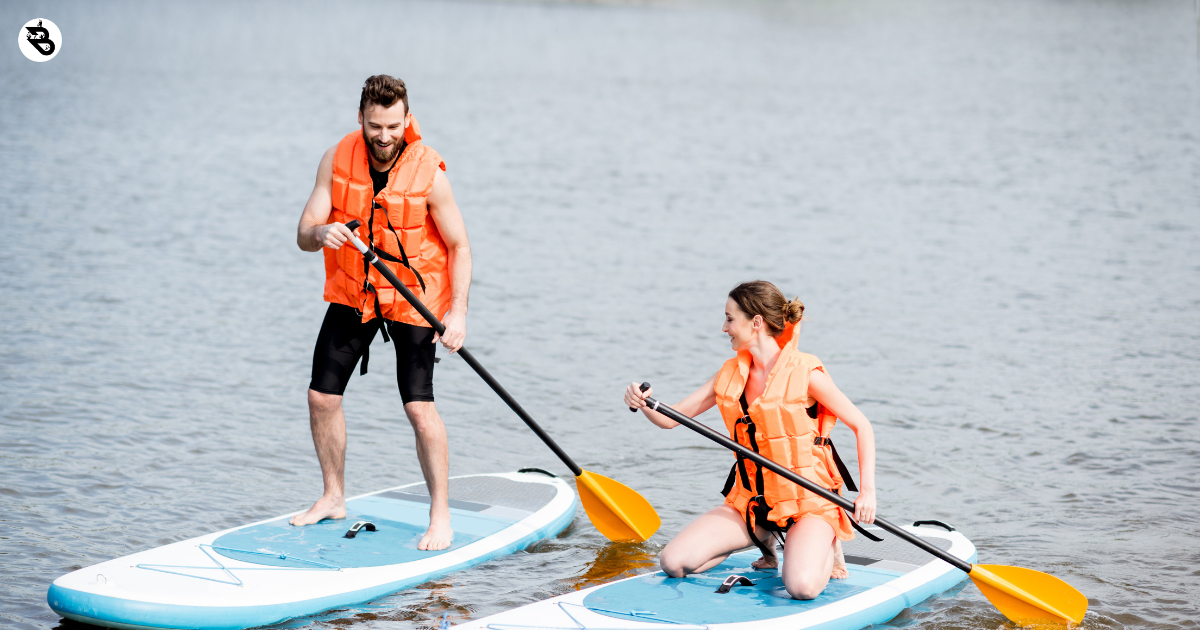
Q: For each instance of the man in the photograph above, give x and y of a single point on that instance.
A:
(386, 178)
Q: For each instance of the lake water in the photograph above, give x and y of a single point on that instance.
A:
(991, 210)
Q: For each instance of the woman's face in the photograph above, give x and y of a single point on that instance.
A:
(741, 329)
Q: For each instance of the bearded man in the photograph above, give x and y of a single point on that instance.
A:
(383, 176)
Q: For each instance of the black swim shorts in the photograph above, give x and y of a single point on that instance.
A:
(343, 340)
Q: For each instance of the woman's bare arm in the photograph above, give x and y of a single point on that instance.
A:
(695, 404)
(821, 387)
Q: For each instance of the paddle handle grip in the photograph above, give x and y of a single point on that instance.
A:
(463, 352)
(644, 387)
(780, 470)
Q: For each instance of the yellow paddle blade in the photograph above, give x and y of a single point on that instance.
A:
(615, 509)
(1029, 597)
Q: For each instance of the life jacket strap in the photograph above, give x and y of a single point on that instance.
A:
(730, 480)
(756, 511)
(399, 245)
(749, 430)
(757, 508)
(366, 357)
(860, 529)
(822, 440)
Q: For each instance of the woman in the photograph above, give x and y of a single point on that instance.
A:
(780, 402)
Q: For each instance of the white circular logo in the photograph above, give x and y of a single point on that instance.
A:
(39, 39)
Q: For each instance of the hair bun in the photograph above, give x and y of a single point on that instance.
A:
(794, 310)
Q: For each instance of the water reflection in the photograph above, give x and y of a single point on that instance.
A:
(616, 561)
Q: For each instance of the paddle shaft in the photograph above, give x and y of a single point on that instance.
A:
(463, 352)
(778, 469)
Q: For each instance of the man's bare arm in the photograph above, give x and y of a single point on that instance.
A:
(450, 224)
(314, 231)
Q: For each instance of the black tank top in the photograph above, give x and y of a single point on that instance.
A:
(378, 180)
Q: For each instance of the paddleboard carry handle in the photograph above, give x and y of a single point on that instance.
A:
(361, 525)
(732, 581)
(538, 470)
(938, 523)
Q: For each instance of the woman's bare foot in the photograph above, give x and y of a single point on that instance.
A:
(438, 536)
(325, 507)
(767, 561)
(839, 562)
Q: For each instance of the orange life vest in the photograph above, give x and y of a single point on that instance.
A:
(402, 232)
(780, 427)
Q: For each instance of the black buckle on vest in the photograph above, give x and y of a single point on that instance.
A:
(821, 440)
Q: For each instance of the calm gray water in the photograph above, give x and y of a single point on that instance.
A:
(992, 211)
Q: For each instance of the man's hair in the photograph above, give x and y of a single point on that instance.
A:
(383, 90)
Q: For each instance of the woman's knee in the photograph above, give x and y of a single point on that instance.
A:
(804, 587)
(672, 564)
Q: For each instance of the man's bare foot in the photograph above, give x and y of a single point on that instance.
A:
(325, 507)
(839, 562)
(438, 536)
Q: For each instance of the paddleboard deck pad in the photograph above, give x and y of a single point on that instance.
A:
(270, 571)
(885, 578)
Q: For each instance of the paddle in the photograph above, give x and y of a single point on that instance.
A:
(1023, 595)
(616, 510)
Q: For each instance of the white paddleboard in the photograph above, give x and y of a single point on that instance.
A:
(269, 571)
(885, 578)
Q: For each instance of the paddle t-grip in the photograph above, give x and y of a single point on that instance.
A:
(644, 387)
(353, 225)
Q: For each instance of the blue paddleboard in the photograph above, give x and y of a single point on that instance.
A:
(269, 571)
(885, 578)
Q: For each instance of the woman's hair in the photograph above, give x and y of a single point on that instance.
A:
(763, 298)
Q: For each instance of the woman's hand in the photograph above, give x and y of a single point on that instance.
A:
(695, 404)
(864, 506)
(635, 397)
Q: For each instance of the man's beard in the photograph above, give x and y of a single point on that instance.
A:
(383, 156)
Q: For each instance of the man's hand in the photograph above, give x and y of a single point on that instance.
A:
(333, 235)
(456, 330)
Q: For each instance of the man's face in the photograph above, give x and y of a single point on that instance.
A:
(383, 130)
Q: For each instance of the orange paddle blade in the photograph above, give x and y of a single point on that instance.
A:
(1029, 597)
(615, 509)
